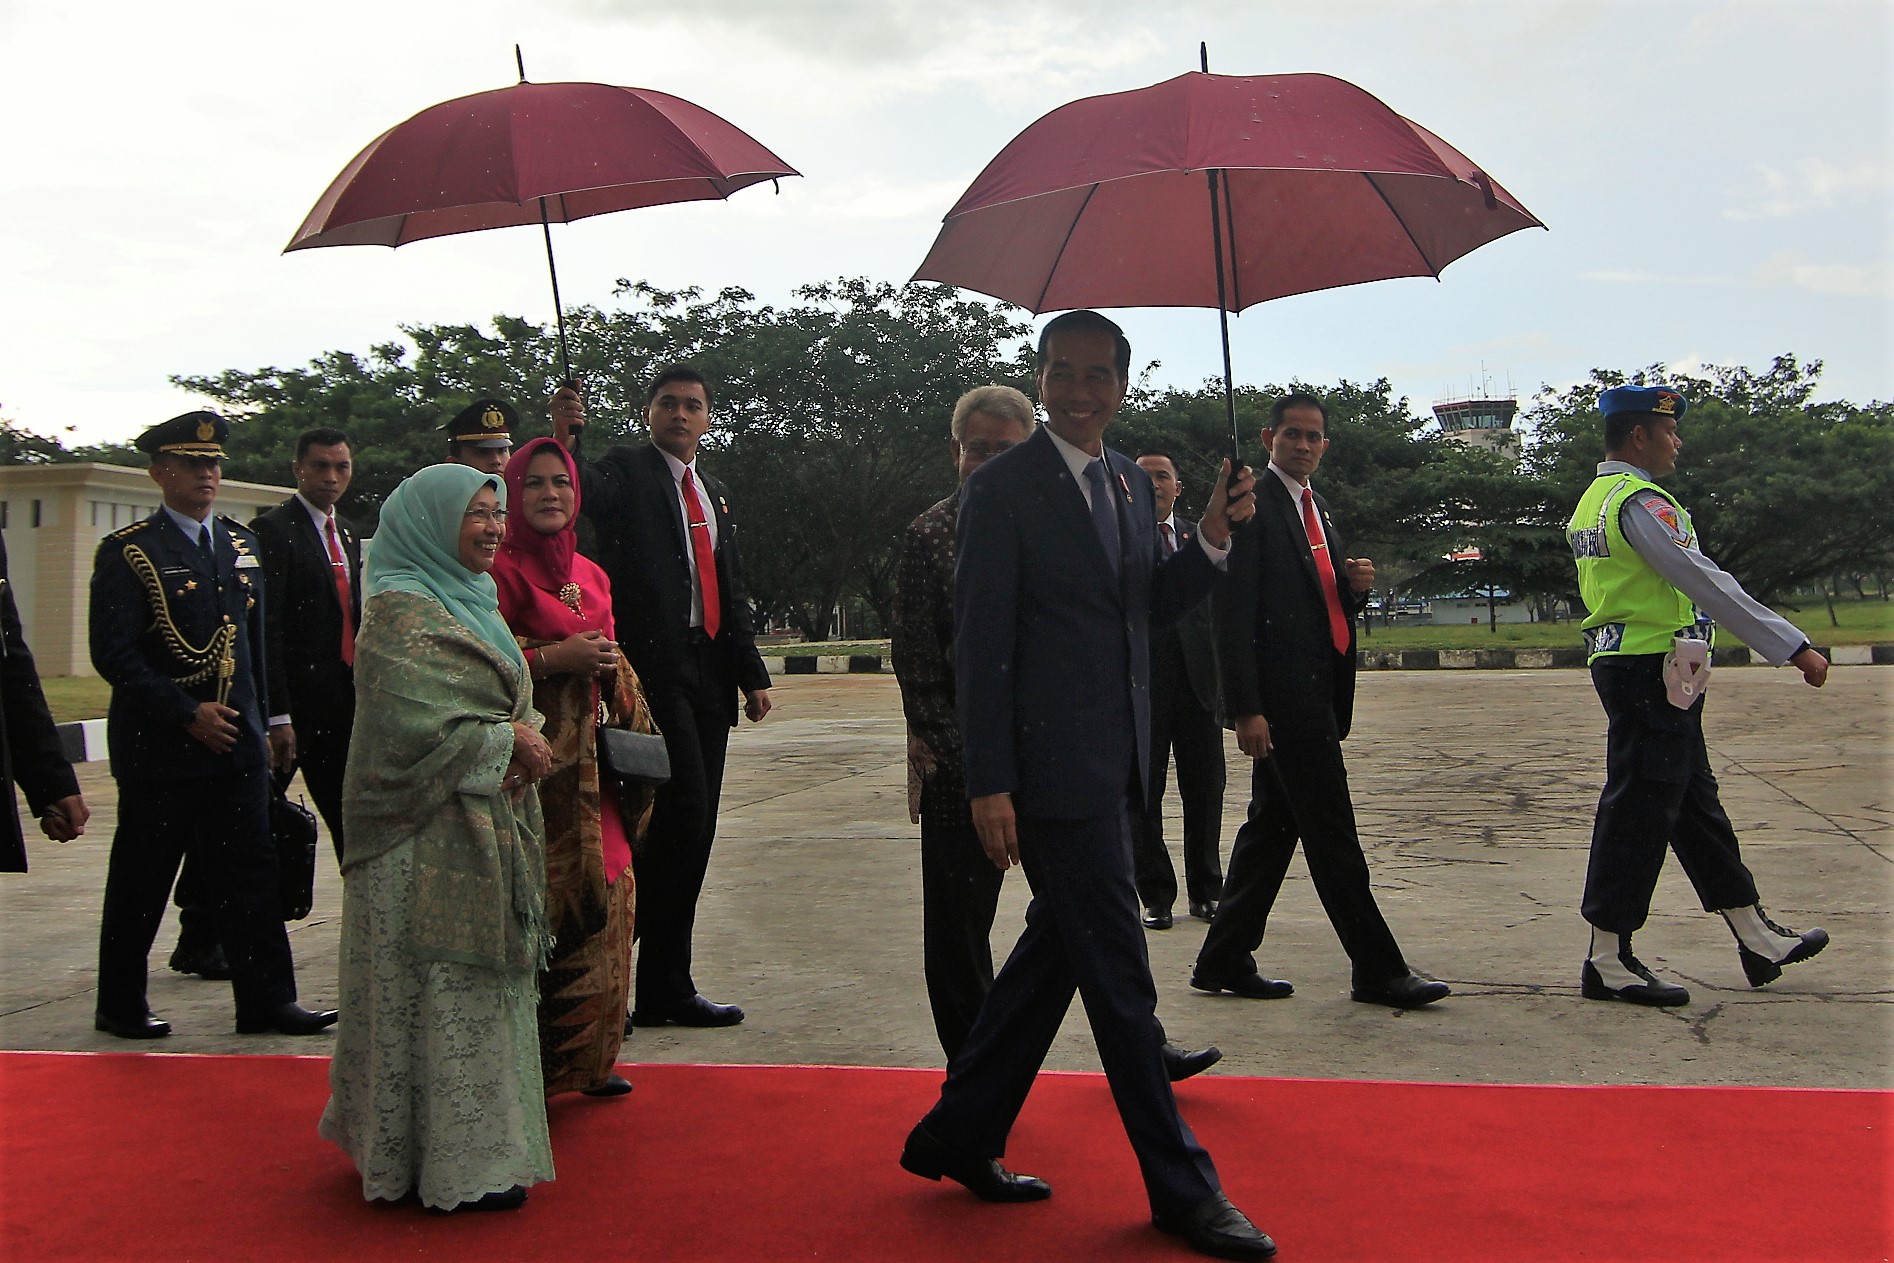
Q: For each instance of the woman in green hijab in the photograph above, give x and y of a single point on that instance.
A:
(435, 1083)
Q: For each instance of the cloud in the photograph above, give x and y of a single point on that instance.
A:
(1814, 184)
(1851, 280)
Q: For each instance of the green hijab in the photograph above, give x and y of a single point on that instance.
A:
(416, 549)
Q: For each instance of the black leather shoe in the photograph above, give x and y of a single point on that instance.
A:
(145, 1027)
(1218, 1229)
(1250, 987)
(286, 1019)
(615, 1085)
(1761, 971)
(1204, 910)
(506, 1199)
(206, 962)
(1157, 918)
(985, 1178)
(1405, 992)
(695, 1011)
(1181, 1063)
(1650, 992)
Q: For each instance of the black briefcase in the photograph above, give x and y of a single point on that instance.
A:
(293, 830)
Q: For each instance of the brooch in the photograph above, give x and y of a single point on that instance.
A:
(570, 595)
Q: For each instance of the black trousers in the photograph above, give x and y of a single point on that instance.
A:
(1659, 792)
(322, 754)
(693, 715)
(222, 825)
(960, 894)
(1300, 791)
(1082, 934)
(1180, 726)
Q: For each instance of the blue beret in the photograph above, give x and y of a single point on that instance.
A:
(1653, 399)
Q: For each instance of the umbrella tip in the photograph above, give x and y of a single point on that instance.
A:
(1203, 55)
(520, 61)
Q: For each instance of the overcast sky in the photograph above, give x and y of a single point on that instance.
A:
(1715, 175)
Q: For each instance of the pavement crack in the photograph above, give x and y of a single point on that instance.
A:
(1699, 1027)
(1807, 806)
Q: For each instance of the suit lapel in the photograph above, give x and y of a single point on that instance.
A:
(1065, 503)
(673, 504)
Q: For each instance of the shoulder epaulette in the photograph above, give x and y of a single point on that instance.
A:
(126, 532)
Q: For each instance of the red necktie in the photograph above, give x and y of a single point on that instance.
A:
(706, 557)
(1325, 567)
(1170, 538)
(339, 563)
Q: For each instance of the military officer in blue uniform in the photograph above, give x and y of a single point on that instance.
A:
(481, 435)
(1653, 602)
(177, 631)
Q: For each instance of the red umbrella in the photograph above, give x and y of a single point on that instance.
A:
(533, 153)
(1313, 184)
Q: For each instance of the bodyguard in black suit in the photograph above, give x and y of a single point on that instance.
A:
(312, 570)
(31, 754)
(1285, 620)
(1184, 727)
(1055, 589)
(668, 543)
(177, 631)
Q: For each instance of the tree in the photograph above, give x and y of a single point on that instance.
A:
(1784, 492)
(830, 415)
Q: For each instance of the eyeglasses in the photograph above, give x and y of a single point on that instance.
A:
(487, 517)
(982, 449)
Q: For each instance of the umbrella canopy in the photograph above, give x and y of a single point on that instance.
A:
(485, 161)
(1102, 203)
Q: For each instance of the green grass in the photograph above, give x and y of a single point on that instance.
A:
(1866, 622)
(75, 697)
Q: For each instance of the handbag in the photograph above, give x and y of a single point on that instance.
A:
(293, 831)
(635, 758)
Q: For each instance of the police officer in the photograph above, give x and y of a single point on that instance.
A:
(177, 631)
(1652, 602)
(481, 435)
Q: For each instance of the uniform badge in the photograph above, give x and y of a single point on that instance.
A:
(206, 431)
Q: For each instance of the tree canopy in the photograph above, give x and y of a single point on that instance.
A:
(830, 425)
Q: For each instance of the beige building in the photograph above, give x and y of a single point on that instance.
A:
(54, 517)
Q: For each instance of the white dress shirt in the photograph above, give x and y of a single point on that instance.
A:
(677, 468)
(1077, 458)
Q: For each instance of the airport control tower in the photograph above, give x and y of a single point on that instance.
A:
(1483, 422)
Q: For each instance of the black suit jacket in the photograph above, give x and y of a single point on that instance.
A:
(31, 755)
(1052, 659)
(134, 612)
(1273, 642)
(303, 626)
(631, 499)
(1192, 638)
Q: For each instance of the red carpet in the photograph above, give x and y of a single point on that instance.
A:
(130, 1156)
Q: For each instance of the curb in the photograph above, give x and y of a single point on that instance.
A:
(1402, 659)
(84, 740)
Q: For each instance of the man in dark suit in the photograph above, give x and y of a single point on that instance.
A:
(1285, 621)
(312, 573)
(177, 631)
(31, 754)
(667, 541)
(1055, 588)
(1183, 724)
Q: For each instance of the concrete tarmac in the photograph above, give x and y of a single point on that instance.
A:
(1475, 791)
